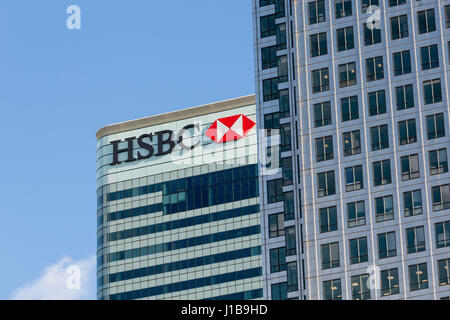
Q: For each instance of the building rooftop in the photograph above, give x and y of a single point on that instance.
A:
(176, 115)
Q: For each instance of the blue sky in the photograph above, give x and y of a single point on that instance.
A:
(131, 59)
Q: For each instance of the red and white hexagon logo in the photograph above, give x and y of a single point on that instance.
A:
(230, 128)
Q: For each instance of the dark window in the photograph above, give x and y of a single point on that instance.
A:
(347, 74)
(377, 102)
(284, 103)
(281, 36)
(407, 131)
(286, 166)
(384, 208)
(374, 69)
(387, 247)
(292, 278)
(330, 255)
(318, 44)
(326, 184)
(366, 4)
(343, 8)
(322, 114)
(268, 27)
(441, 197)
(404, 96)
(271, 122)
(277, 260)
(356, 214)
(354, 178)
(432, 91)
(285, 131)
(372, 35)
(332, 290)
(379, 137)
(447, 16)
(345, 39)
(444, 272)
(358, 250)
(320, 80)
(389, 282)
(360, 289)
(269, 57)
(438, 161)
(263, 3)
(426, 21)
(290, 241)
(394, 3)
(418, 277)
(430, 57)
(410, 167)
(402, 63)
(442, 230)
(276, 225)
(412, 203)
(289, 211)
(382, 172)
(324, 148)
(415, 238)
(328, 219)
(316, 11)
(352, 143)
(349, 106)
(270, 89)
(435, 126)
(399, 27)
(279, 291)
(274, 190)
(282, 69)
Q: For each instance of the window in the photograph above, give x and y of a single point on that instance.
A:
(324, 148)
(326, 184)
(281, 36)
(389, 282)
(356, 214)
(284, 103)
(318, 44)
(332, 290)
(407, 131)
(387, 247)
(292, 278)
(279, 8)
(426, 21)
(412, 203)
(289, 212)
(366, 4)
(382, 172)
(352, 143)
(384, 208)
(435, 126)
(441, 197)
(345, 39)
(263, 3)
(438, 161)
(447, 16)
(285, 132)
(442, 231)
(444, 271)
(374, 69)
(277, 260)
(276, 225)
(418, 277)
(394, 3)
(354, 178)
(290, 241)
(379, 137)
(322, 114)
(271, 122)
(269, 57)
(347, 74)
(328, 219)
(430, 57)
(399, 27)
(286, 165)
(282, 69)
(360, 289)
(372, 35)
(377, 102)
(274, 190)
(410, 167)
(320, 80)
(270, 89)
(330, 255)
(268, 27)
(402, 63)
(349, 106)
(432, 91)
(358, 250)
(415, 239)
(316, 11)
(279, 291)
(343, 8)
(404, 96)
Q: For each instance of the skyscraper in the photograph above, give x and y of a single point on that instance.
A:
(178, 206)
(359, 91)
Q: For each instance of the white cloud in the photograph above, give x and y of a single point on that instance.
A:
(59, 282)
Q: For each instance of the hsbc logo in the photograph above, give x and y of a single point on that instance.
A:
(230, 128)
(221, 131)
